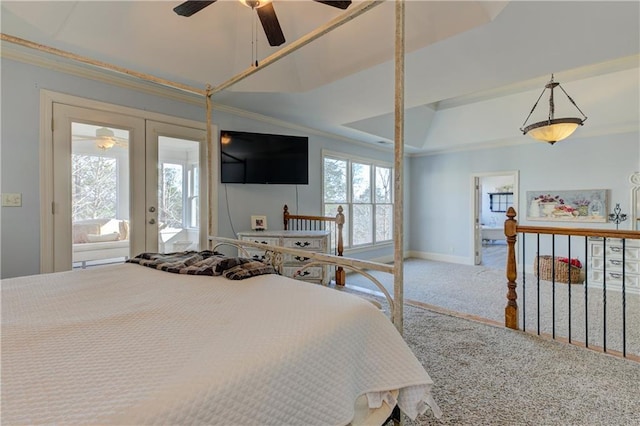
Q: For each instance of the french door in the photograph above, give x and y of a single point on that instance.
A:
(123, 185)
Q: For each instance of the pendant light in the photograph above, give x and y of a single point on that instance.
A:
(553, 129)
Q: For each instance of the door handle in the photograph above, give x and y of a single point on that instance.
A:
(152, 209)
(152, 221)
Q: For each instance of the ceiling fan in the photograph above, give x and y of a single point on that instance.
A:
(104, 139)
(265, 10)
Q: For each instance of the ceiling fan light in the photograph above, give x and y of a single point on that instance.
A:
(105, 144)
(552, 131)
(103, 132)
(255, 4)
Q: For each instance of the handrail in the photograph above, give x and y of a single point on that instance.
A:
(512, 231)
(578, 232)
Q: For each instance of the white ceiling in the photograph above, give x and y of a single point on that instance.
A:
(473, 69)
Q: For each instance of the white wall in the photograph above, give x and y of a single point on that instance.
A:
(441, 217)
(20, 166)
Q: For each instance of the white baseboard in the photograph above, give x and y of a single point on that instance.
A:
(438, 257)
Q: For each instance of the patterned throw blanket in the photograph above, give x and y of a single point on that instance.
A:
(203, 263)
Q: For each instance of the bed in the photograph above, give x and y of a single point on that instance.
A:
(128, 344)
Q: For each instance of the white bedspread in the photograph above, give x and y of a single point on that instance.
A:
(127, 344)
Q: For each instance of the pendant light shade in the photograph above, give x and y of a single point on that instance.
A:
(553, 129)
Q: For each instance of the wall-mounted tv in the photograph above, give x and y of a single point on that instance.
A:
(263, 158)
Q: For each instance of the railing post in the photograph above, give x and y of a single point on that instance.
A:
(511, 310)
(285, 216)
(341, 275)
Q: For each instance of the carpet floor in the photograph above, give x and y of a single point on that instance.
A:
(487, 375)
(481, 291)
(491, 375)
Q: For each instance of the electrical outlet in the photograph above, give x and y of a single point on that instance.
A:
(11, 200)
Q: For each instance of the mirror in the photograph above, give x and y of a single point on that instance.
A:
(635, 200)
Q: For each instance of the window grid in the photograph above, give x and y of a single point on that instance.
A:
(364, 189)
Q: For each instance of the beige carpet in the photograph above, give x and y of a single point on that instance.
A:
(487, 375)
(491, 375)
(481, 291)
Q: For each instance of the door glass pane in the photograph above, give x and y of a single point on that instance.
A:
(99, 194)
(178, 195)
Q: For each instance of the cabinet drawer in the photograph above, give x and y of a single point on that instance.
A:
(262, 240)
(614, 279)
(614, 251)
(295, 259)
(311, 244)
(629, 242)
(615, 265)
(312, 273)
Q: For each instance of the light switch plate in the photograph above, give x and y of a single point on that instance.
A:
(11, 200)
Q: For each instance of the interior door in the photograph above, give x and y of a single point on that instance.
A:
(124, 185)
(92, 163)
(176, 195)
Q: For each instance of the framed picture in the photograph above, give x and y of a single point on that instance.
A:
(584, 205)
(259, 223)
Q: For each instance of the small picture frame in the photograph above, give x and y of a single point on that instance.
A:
(259, 223)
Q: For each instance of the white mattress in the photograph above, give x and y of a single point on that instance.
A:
(126, 344)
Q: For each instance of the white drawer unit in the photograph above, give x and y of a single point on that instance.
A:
(312, 241)
(606, 261)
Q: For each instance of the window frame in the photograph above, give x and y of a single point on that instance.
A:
(349, 203)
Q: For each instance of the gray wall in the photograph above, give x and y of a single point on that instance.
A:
(441, 219)
(20, 167)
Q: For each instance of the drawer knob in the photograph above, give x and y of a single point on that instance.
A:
(302, 259)
(616, 249)
(302, 243)
(615, 262)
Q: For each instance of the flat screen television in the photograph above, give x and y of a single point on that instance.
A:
(263, 158)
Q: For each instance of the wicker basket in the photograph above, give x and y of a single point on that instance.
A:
(561, 270)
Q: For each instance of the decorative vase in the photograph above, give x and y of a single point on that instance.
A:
(548, 208)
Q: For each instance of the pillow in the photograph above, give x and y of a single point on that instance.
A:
(124, 229)
(95, 238)
(249, 269)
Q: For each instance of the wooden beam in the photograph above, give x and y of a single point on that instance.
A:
(103, 65)
(398, 195)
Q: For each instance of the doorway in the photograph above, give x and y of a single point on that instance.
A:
(121, 185)
(494, 193)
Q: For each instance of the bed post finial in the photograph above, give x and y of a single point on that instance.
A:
(285, 216)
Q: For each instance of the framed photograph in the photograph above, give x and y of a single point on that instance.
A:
(259, 223)
(584, 205)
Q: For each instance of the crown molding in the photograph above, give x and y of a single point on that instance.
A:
(52, 62)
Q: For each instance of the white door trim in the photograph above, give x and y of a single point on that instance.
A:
(47, 99)
(474, 207)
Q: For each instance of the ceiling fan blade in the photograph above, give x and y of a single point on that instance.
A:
(339, 4)
(269, 20)
(188, 8)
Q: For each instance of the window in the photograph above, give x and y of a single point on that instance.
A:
(500, 201)
(364, 189)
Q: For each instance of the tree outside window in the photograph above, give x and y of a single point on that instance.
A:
(364, 189)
